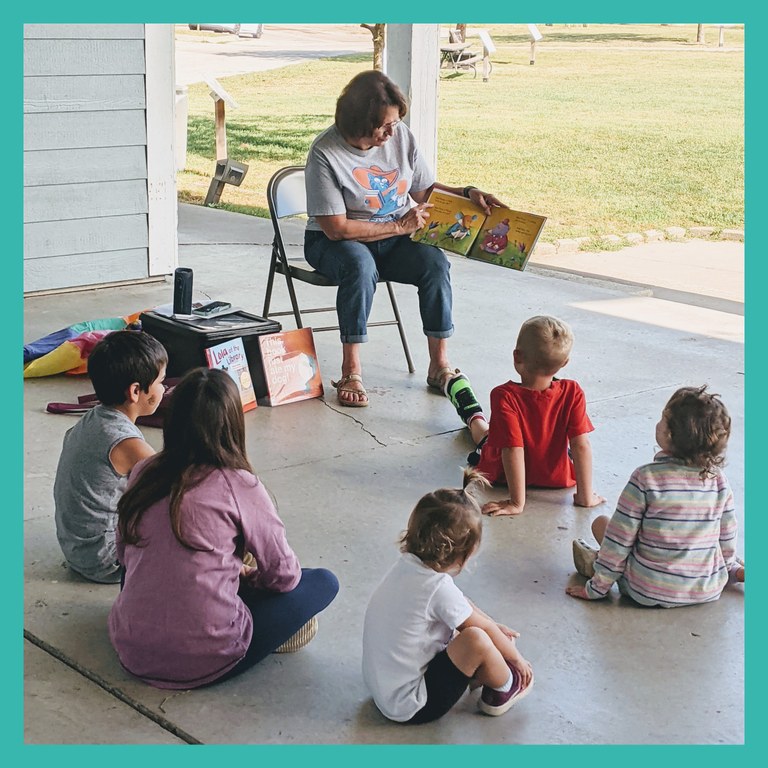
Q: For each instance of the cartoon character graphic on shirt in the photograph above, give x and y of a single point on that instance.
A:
(385, 190)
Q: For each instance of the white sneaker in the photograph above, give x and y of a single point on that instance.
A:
(584, 557)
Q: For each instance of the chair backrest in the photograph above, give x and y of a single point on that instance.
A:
(286, 194)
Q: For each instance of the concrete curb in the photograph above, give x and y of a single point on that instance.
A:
(674, 234)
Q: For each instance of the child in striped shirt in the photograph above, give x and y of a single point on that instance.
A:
(672, 539)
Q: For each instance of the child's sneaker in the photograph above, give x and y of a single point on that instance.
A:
(496, 703)
(584, 557)
(459, 391)
(300, 639)
(474, 458)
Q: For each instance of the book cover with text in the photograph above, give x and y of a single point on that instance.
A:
(291, 370)
(230, 356)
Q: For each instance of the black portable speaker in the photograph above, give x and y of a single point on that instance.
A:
(182, 291)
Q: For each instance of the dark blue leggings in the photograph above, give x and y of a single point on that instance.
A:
(280, 615)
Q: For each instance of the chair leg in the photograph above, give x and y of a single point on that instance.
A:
(400, 328)
(270, 283)
(292, 294)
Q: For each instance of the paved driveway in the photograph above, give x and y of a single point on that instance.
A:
(201, 55)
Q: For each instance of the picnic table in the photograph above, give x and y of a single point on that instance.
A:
(457, 56)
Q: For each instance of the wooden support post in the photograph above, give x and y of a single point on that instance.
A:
(533, 52)
(721, 39)
(412, 60)
(220, 130)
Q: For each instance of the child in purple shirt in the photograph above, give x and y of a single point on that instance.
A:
(191, 611)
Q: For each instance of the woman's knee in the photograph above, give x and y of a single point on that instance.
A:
(435, 262)
(358, 266)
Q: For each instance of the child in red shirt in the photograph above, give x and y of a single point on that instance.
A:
(538, 432)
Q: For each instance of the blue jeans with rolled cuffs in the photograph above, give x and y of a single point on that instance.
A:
(356, 268)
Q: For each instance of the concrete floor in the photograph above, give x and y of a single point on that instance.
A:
(346, 480)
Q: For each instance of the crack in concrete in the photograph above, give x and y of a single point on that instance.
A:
(137, 706)
(638, 392)
(357, 421)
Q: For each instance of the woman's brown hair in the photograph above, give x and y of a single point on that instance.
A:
(699, 428)
(204, 430)
(362, 104)
(446, 525)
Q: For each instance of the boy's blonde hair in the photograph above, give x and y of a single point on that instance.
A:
(446, 525)
(545, 343)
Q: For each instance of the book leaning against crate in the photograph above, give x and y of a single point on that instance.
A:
(230, 356)
(290, 366)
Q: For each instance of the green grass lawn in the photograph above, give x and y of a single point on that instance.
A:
(615, 129)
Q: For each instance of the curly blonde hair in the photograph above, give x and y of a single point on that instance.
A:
(446, 525)
(699, 427)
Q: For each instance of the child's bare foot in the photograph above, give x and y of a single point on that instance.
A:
(740, 574)
(594, 501)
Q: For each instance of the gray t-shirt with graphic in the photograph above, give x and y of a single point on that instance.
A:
(86, 492)
(365, 184)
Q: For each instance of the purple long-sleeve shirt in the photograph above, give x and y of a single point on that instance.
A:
(178, 622)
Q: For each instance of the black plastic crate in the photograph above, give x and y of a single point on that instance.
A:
(186, 340)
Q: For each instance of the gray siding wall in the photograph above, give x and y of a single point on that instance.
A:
(85, 160)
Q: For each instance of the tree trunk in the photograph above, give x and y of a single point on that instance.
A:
(378, 32)
(700, 33)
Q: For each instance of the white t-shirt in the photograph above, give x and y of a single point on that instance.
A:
(366, 184)
(410, 618)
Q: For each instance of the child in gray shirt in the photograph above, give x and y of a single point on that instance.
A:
(127, 369)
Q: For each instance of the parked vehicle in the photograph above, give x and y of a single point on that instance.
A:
(242, 30)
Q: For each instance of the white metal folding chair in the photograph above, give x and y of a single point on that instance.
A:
(286, 197)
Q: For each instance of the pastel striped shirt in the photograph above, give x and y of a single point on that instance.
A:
(671, 540)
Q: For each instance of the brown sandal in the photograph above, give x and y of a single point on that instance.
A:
(438, 382)
(340, 386)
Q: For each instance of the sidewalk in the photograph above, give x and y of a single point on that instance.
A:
(346, 482)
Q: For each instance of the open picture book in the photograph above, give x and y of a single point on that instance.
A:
(456, 224)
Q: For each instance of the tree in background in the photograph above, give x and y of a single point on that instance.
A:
(700, 33)
(378, 33)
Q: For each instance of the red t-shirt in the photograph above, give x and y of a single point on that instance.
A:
(541, 423)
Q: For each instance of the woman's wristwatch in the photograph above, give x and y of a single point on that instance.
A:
(467, 190)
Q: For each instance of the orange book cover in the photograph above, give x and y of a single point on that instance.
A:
(230, 356)
(291, 370)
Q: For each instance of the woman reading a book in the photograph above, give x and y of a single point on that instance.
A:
(362, 174)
